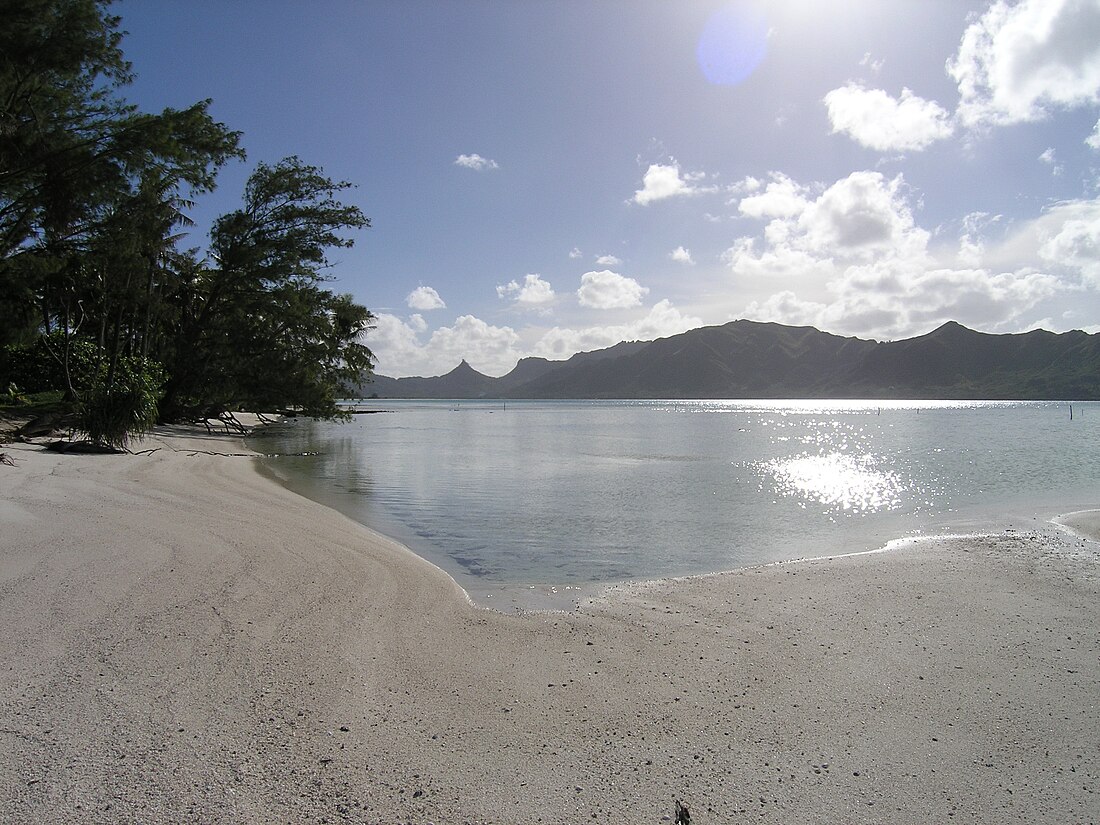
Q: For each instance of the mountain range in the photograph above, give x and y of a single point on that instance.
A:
(749, 359)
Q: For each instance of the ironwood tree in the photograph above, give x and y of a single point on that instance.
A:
(93, 212)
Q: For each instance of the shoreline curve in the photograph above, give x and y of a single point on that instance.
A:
(186, 640)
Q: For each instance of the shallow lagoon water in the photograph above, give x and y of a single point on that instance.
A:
(559, 494)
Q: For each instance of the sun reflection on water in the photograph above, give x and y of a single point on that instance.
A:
(842, 483)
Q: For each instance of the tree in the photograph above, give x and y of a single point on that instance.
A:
(258, 329)
(93, 199)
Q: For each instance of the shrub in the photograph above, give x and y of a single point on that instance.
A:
(113, 415)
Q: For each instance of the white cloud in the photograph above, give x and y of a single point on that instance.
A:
(1070, 238)
(871, 63)
(1016, 62)
(399, 352)
(854, 261)
(971, 239)
(858, 217)
(782, 198)
(397, 349)
(489, 349)
(533, 293)
(1049, 158)
(575, 253)
(663, 181)
(681, 256)
(775, 264)
(424, 298)
(1093, 140)
(417, 322)
(662, 320)
(476, 162)
(609, 290)
(886, 305)
(874, 119)
(746, 185)
(608, 260)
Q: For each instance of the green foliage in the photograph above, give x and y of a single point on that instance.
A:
(41, 366)
(113, 414)
(260, 332)
(113, 400)
(93, 283)
(30, 404)
(13, 397)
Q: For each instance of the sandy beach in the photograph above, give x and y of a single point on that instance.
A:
(186, 641)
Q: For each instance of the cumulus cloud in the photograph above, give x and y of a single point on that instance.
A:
(746, 185)
(662, 320)
(681, 256)
(663, 181)
(860, 216)
(608, 260)
(781, 198)
(775, 263)
(1070, 237)
(1018, 61)
(533, 293)
(424, 298)
(875, 119)
(399, 352)
(401, 349)
(853, 260)
(476, 162)
(609, 290)
(883, 305)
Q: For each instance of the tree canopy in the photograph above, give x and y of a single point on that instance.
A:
(93, 202)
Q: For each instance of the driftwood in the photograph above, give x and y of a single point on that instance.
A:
(43, 426)
(229, 421)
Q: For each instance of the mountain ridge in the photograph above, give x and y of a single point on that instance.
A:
(752, 359)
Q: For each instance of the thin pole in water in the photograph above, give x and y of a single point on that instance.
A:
(1070, 412)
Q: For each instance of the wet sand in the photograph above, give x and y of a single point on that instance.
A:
(186, 641)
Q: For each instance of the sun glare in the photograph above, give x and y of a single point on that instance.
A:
(732, 45)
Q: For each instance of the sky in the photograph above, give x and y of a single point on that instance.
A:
(545, 177)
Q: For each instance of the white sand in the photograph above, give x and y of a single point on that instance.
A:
(185, 641)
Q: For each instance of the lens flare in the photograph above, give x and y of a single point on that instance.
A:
(733, 43)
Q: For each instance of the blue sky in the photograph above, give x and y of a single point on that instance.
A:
(549, 177)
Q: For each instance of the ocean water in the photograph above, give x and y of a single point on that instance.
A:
(552, 495)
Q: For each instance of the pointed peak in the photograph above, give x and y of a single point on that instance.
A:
(950, 328)
(463, 367)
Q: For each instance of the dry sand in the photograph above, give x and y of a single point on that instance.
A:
(185, 641)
